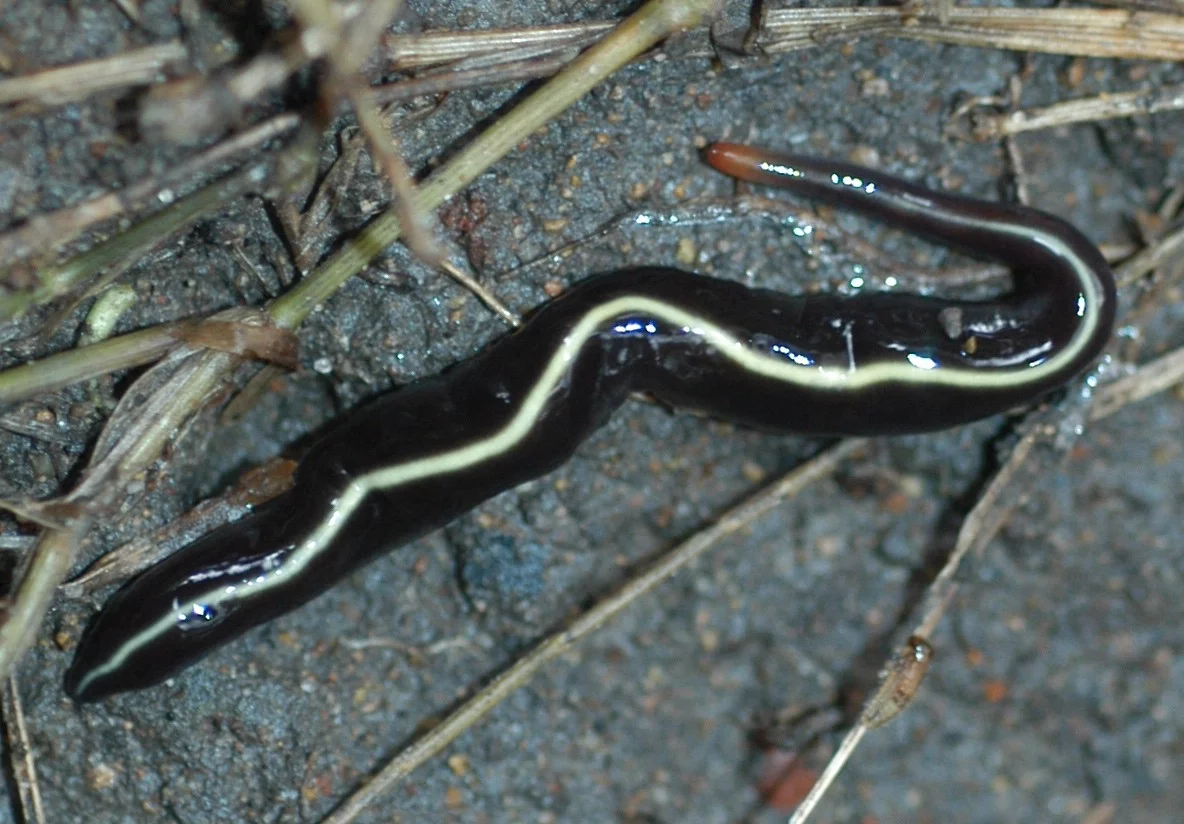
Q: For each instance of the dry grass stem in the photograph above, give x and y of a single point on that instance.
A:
(989, 126)
(85, 362)
(1085, 32)
(22, 762)
(416, 51)
(1164, 251)
(131, 8)
(1080, 32)
(1157, 376)
(484, 295)
(1165, 6)
(456, 80)
(66, 84)
(418, 224)
(833, 767)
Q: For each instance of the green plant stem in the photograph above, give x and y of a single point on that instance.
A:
(84, 362)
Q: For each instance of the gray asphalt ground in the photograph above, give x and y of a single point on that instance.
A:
(1057, 689)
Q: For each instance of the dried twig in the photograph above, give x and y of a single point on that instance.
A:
(22, 761)
(484, 295)
(455, 80)
(146, 346)
(416, 51)
(65, 84)
(990, 126)
(1157, 376)
(1168, 248)
(1166, 6)
(1072, 31)
(1015, 157)
(1079, 32)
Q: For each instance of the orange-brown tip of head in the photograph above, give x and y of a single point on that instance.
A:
(733, 159)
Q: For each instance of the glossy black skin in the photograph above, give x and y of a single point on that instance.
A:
(478, 397)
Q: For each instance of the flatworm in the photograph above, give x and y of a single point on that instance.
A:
(415, 459)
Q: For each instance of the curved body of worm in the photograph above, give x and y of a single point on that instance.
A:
(410, 462)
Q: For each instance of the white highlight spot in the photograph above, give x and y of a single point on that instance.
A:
(778, 169)
(796, 357)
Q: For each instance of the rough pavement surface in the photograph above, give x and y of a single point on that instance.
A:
(1057, 687)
